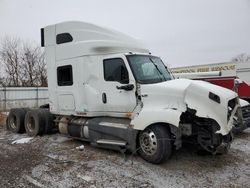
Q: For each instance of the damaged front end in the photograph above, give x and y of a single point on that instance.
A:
(246, 115)
(242, 119)
(203, 131)
(193, 110)
(206, 131)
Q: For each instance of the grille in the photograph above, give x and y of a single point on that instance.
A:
(246, 111)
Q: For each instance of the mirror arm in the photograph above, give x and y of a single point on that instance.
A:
(127, 87)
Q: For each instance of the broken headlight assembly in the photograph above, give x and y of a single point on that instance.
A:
(231, 105)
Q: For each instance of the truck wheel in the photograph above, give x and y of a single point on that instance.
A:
(155, 144)
(34, 122)
(49, 126)
(15, 122)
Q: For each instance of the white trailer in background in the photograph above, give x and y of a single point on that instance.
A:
(107, 89)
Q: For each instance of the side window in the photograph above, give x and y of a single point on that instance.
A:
(115, 70)
(63, 38)
(64, 75)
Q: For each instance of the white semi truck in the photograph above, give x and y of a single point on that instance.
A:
(107, 89)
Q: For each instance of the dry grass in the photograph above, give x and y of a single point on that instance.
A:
(2, 119)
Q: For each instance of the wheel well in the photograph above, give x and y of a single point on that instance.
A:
(166, 125)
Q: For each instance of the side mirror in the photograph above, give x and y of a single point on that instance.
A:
(128, 87)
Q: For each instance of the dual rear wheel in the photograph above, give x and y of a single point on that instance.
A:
(33, 122)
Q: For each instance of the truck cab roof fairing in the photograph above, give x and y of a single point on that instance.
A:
(89, 39)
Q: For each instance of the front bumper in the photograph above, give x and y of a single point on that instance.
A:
(211, 141)
(242, 121)
(246, 115)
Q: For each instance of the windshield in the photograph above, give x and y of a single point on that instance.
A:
(148, 69)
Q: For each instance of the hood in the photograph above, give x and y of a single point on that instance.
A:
(181, 94)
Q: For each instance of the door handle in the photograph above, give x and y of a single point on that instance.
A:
(127, 87)
(104, 98)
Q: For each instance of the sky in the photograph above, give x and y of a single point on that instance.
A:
(181, 32)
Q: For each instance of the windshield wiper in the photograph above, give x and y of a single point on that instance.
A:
(158, 69)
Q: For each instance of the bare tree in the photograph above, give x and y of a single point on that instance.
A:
(241, 58)
(41, 68)
(10, 56)
(23, 63)
(2, 83)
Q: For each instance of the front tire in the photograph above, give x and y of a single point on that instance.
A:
(155, 144)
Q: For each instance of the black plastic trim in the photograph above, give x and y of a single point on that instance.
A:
(214, 97)
(104, 68)
(42, 37)
(63, 38)
(65, 83)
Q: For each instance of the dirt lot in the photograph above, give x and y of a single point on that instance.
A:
(54, 161)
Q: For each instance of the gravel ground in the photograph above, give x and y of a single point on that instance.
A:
(54, 161)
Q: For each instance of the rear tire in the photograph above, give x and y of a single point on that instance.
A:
(15, 120)
(34, 122)
(155, 144)
(49, 126)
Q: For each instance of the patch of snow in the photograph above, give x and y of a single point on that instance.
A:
(85, 178)
(39, 170)
(33, 181)
(22, 141)
(59, 138)
(80, 147)
(16, 136)
(242, 145)
(57, 157)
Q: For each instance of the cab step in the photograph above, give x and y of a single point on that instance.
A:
(111, 142)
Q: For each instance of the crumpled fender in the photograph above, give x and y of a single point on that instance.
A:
(165, 102)
(149, 116)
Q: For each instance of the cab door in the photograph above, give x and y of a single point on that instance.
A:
(118, 93)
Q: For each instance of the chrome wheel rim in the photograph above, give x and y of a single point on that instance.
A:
(31, 124)
(13, 122)
(148, 142)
